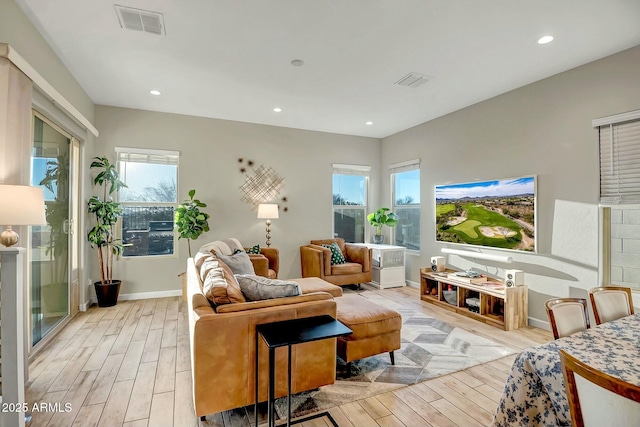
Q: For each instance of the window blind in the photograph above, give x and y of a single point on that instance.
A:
(136, 155)
(405, 166)
(351, 169)
(619, 145)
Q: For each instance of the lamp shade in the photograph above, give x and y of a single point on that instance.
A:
(267, 211)
(21, 205)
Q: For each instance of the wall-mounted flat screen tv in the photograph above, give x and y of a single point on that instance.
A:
(498, 213)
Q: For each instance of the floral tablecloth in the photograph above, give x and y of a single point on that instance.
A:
(535, 395)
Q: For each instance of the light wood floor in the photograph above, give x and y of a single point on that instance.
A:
(128, 366)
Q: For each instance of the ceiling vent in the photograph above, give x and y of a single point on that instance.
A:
(140, 20)
(413, 80)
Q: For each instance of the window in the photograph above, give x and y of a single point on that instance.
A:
(619, 143)
(350, 189)
(405, 184)
(148, 201)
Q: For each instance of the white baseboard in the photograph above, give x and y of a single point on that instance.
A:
(537, 323)
(413, 284)
(85, 306)
(149, 295)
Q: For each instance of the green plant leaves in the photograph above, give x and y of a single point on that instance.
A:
(383, 216)
(190, 222)
(106, 213)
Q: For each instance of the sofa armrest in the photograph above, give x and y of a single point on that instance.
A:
(359, 254)
(315, 261)
(273, 255)
(260, 264)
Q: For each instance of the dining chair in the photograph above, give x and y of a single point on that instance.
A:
(567, 316)
(610, 303)
(596, 398)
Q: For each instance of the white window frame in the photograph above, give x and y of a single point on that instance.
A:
(394, 169)
(357, 170)
(619, 147)
(153, 156)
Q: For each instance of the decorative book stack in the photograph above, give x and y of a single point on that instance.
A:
(465, 279)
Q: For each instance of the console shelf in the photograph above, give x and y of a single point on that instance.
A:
(496, 304)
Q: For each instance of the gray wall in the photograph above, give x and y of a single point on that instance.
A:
(21, 35)
(19, 32)
(210, 150)
(542, 129)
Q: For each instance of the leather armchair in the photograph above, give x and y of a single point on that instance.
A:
(316, 262)
(266, 263)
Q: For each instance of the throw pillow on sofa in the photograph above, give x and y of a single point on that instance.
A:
(254, 250)
(257, 288)
(336, 254)
(239, 263)
(230, 293)
(215, 286)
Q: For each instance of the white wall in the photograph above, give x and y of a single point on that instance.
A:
(210, 150)
(542, 129)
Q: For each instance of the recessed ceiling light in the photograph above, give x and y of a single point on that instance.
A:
(277, 109)
(545, 39)
(369, 123)
(154, 92)
(297, 62)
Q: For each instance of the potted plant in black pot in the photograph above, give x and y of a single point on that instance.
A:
(382, 216)
(102, 236)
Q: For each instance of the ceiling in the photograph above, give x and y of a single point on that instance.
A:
(232, 59)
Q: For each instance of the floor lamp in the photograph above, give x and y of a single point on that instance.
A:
(19, 205)
(268, 212)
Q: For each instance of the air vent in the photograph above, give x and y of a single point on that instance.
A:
(413, 80)
(140, 20)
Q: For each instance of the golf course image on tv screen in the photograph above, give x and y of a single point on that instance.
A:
(497, 213)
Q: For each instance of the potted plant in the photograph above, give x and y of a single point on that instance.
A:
(190, 222)
(102, 236)
(382, 216)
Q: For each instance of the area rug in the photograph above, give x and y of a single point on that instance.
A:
(429, 348)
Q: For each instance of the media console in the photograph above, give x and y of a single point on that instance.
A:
(489, 302)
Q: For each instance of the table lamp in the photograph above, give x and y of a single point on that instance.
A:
(20, 205)
(268, 211)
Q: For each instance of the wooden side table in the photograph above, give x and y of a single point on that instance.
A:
(288, 333)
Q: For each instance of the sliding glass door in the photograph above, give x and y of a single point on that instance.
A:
(51, 169)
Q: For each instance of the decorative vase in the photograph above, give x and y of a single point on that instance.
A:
(107, 294)
(378, 239)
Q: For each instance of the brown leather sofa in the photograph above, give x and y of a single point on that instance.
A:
(315, 261)
(223, 348)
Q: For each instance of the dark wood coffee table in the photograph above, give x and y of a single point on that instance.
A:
(288, 333)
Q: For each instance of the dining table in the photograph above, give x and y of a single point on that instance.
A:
(535, 394)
